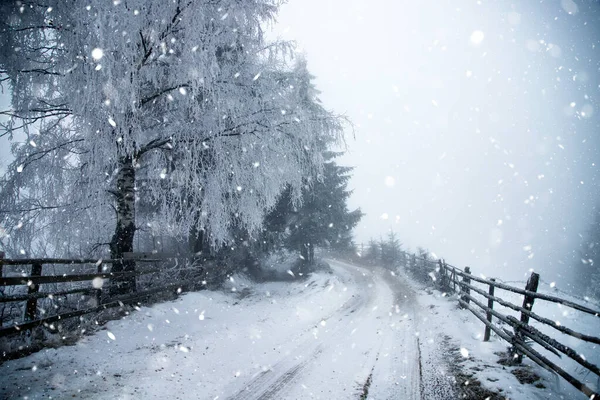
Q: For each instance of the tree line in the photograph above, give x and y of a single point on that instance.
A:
(388, 252)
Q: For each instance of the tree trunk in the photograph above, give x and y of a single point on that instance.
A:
(122, 240)
(304, 253)
(196, 241)
(311, 254)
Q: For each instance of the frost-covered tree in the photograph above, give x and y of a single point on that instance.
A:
(181, 102)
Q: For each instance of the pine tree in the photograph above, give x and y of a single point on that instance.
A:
(373, 253)
(391, 250)
(322, 219)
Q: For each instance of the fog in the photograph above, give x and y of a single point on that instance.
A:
(476, 123)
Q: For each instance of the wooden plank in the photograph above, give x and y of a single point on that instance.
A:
(149, 256)
(23, 297)
(531, 287)
(98, 292)
(534, 355)
(528, 300)
(546, 321)
(31, 306)
(515, 325)
(571, 353)
(39, 280)
(541, 319)
(116, 302)
(486, 335)
(67, 261)
(454, 279)
(465, 289)
(541, 296)
(543, 340)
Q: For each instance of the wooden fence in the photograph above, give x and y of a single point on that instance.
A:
(461, 282)
(86, 281)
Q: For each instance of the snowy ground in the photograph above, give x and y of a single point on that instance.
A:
(330, 336)
(464, 332)
(356, 332)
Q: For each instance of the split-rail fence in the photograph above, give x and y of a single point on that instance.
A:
(480, 300)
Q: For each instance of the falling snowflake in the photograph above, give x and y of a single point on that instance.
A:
(97, 282)
(477, 37)
(97, 54)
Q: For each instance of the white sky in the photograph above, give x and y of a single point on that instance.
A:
(465, 134)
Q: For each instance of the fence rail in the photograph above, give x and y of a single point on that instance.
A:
(461, 282)
(98, 298)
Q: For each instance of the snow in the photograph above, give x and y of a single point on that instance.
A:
(466, 332)
(322, 337)
(352, 332)
(206, 347)
(477, 37)
(97, 54)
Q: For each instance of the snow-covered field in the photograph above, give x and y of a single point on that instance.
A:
(356, 333)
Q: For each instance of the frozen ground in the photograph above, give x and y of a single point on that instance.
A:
(353, 334)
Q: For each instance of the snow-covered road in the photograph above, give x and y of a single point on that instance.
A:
(332, 336)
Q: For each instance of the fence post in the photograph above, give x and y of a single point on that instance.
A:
(443, 276)
(31, 306)
(465, 290)
(486, 335)
(532, 286)
(99, 290)
(454, 279)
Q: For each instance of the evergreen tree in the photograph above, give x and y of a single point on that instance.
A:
(322, 219)
(373, 253)
(391, 250)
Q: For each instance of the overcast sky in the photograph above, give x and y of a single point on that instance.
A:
(476, 121)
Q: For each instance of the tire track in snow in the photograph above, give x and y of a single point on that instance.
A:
(397, 372)
(375, 333)
(271, 383)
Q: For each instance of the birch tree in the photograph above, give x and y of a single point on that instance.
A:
(182, 102)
